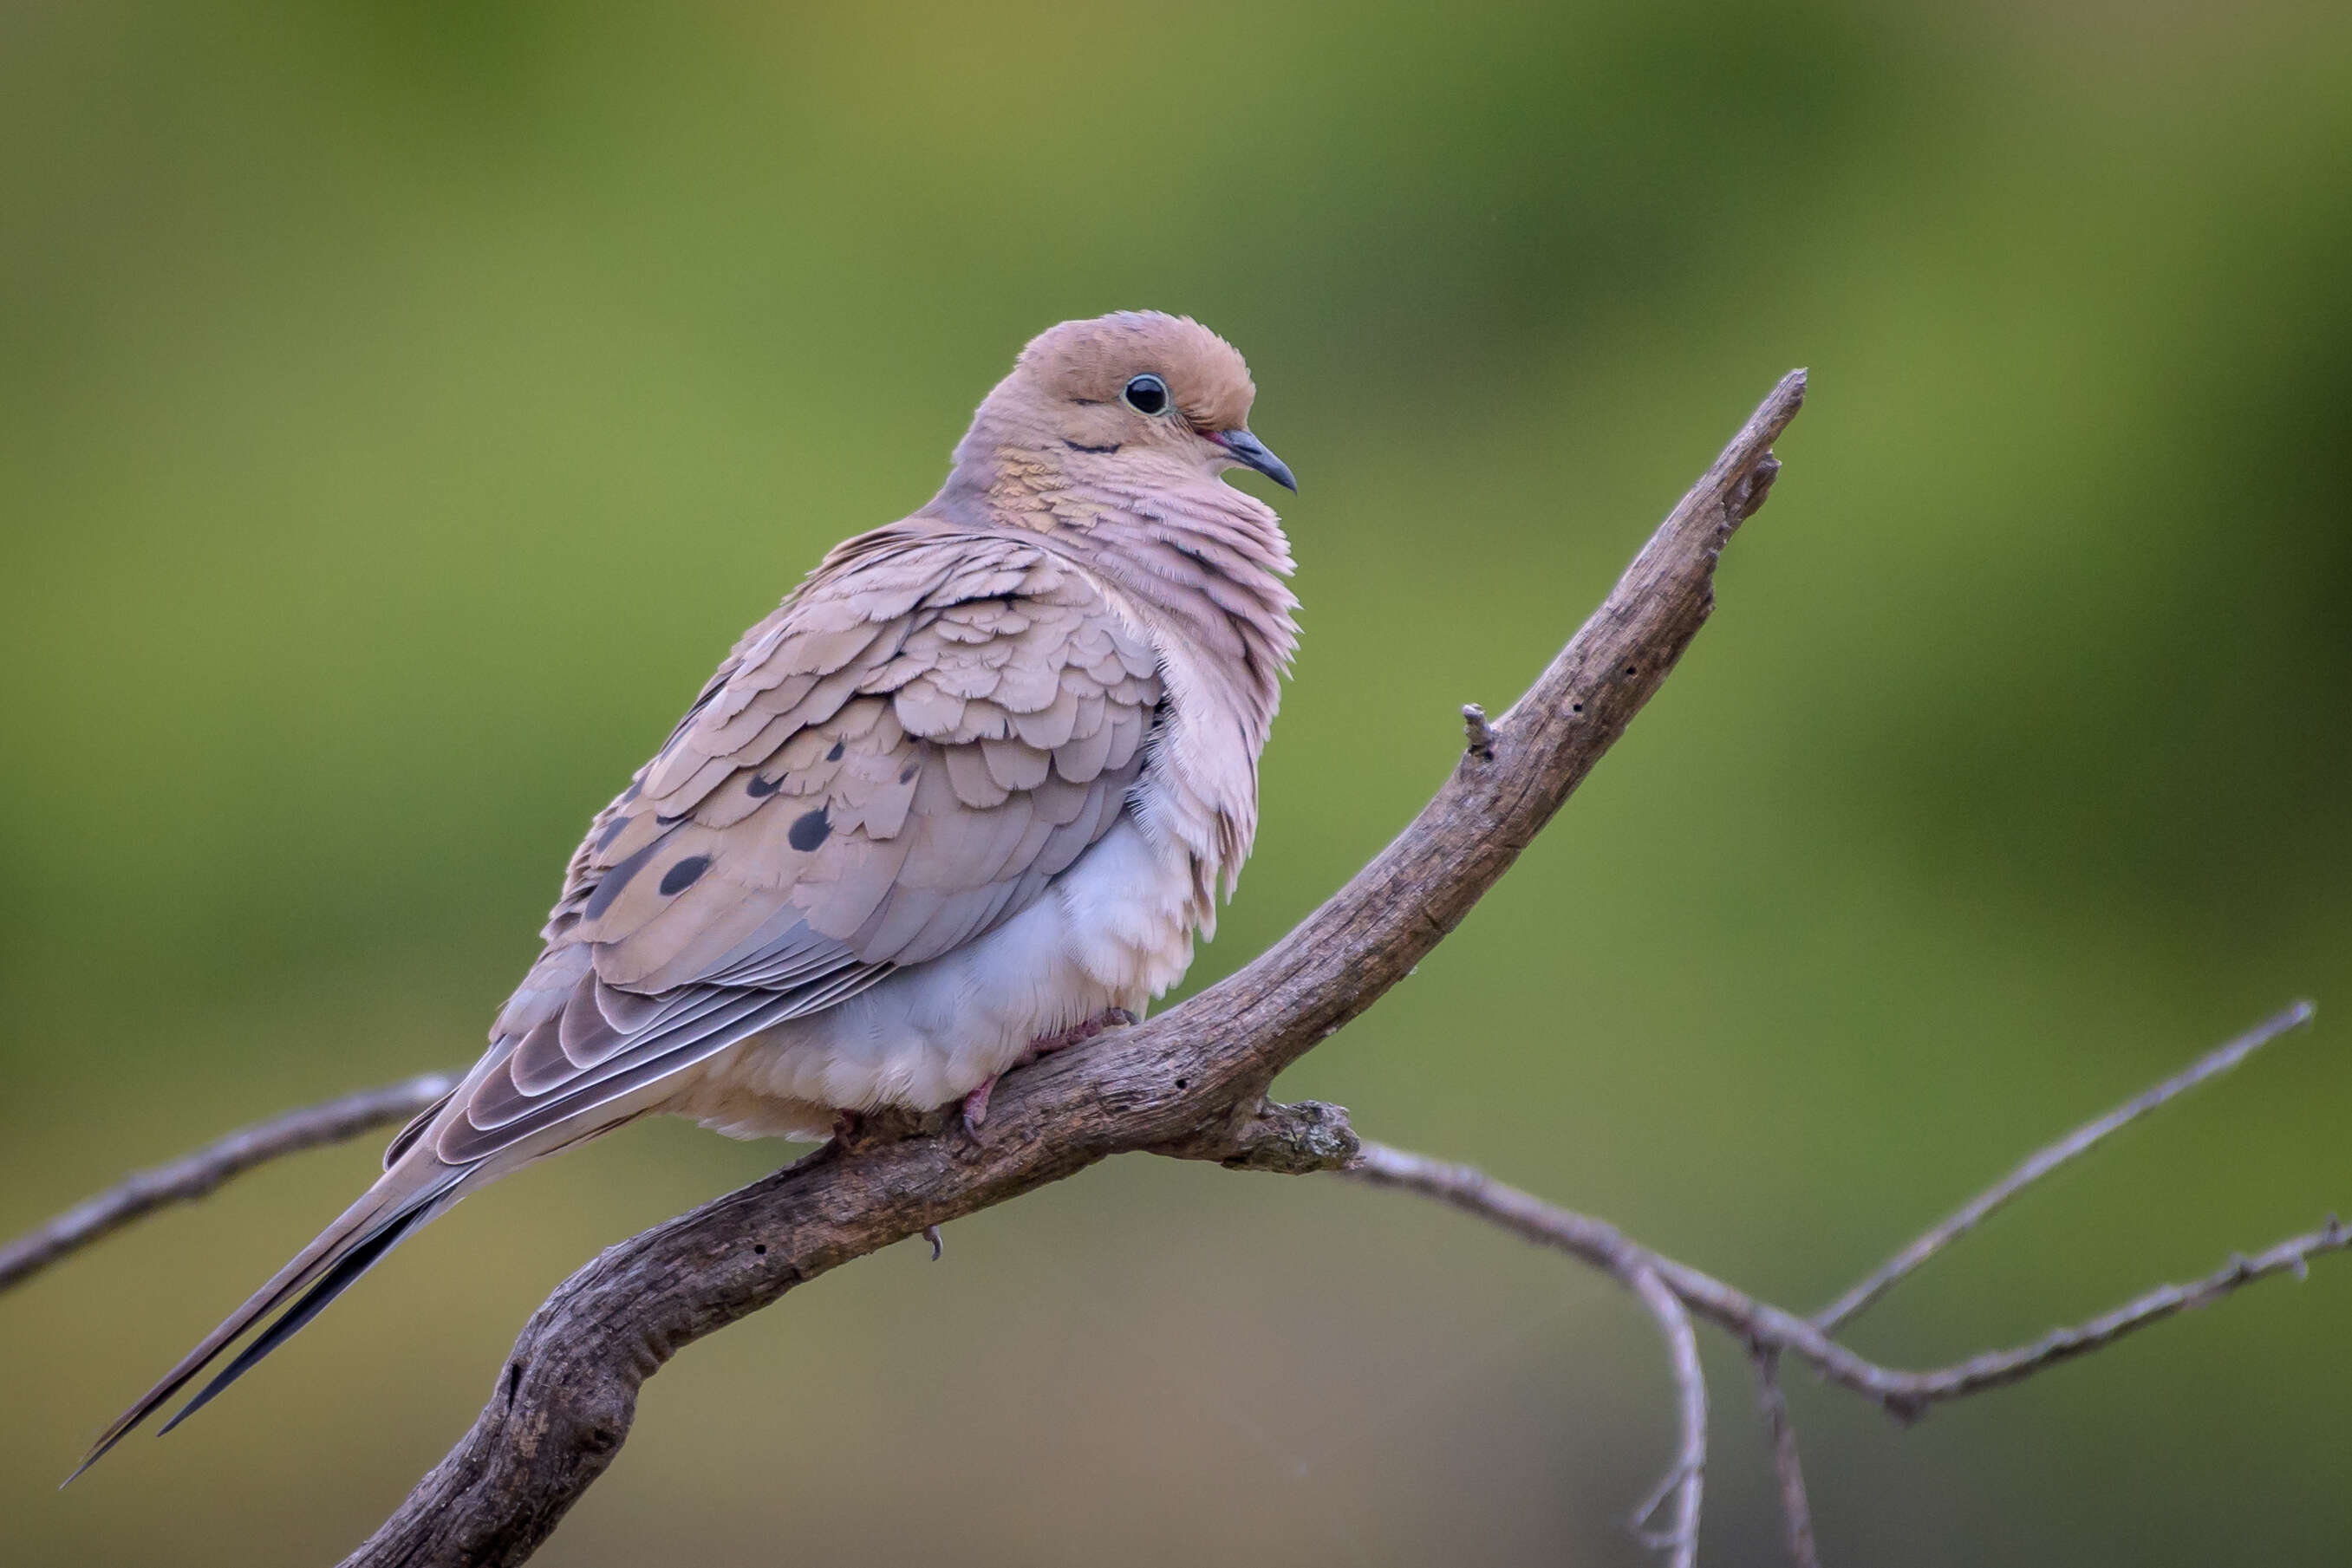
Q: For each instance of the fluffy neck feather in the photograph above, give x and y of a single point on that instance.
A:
(1202, 564)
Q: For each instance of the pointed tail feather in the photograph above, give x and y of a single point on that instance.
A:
(339, 1277)
(385, 1214)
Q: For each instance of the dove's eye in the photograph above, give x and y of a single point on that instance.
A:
(1147, 394)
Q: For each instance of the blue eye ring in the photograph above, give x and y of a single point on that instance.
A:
(1147, 394)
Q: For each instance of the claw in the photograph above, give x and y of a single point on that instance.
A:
(975, 1105)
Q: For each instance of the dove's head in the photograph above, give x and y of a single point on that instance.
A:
(1128, 395)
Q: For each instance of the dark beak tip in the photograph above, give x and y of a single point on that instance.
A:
(1251, 453)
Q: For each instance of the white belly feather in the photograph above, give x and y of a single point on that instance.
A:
(1113, 931)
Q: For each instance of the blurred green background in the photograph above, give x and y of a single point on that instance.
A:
(403, 406)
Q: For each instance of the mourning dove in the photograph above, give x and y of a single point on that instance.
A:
(965, 796)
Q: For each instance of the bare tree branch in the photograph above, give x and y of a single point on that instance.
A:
(1686, 1480)
(194, 1175)
(1796, 1511)
(2039, 1164)
(1788, 1470)
(1298, 1139)
(1904, 1394)
(1190, 1083)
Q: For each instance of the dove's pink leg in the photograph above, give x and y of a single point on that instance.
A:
(975, 1104)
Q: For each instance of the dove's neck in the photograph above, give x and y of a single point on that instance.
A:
(1202, 562)
(1203, 566)
(1206, 565)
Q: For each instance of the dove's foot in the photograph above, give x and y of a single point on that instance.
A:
(1109, 1017)
(846, 1125)
(975, 1104)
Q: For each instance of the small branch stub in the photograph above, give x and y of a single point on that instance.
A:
(1478, 734)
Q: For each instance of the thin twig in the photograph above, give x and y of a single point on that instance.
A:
(1906, 1394)
(194, 1175)
(1788, 1469)
(1974, 1212)
(1685, 1480)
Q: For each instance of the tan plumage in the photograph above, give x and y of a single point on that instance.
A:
(977, 780)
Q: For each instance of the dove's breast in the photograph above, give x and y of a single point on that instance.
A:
(1114, 930)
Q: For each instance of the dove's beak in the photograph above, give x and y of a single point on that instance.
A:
(1250, 452)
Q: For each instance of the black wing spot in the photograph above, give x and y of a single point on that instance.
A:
(684, 875)
(613, 829)
(834, 755)
(760, 788)
(906, 773)
(609, 887)
(810, 830)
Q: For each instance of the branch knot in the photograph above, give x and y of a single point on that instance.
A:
(1287, 1139)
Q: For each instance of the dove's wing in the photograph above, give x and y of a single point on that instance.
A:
(899, 759)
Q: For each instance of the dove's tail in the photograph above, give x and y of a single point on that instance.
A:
(401, 1202)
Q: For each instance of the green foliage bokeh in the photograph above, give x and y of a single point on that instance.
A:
(401, 406)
